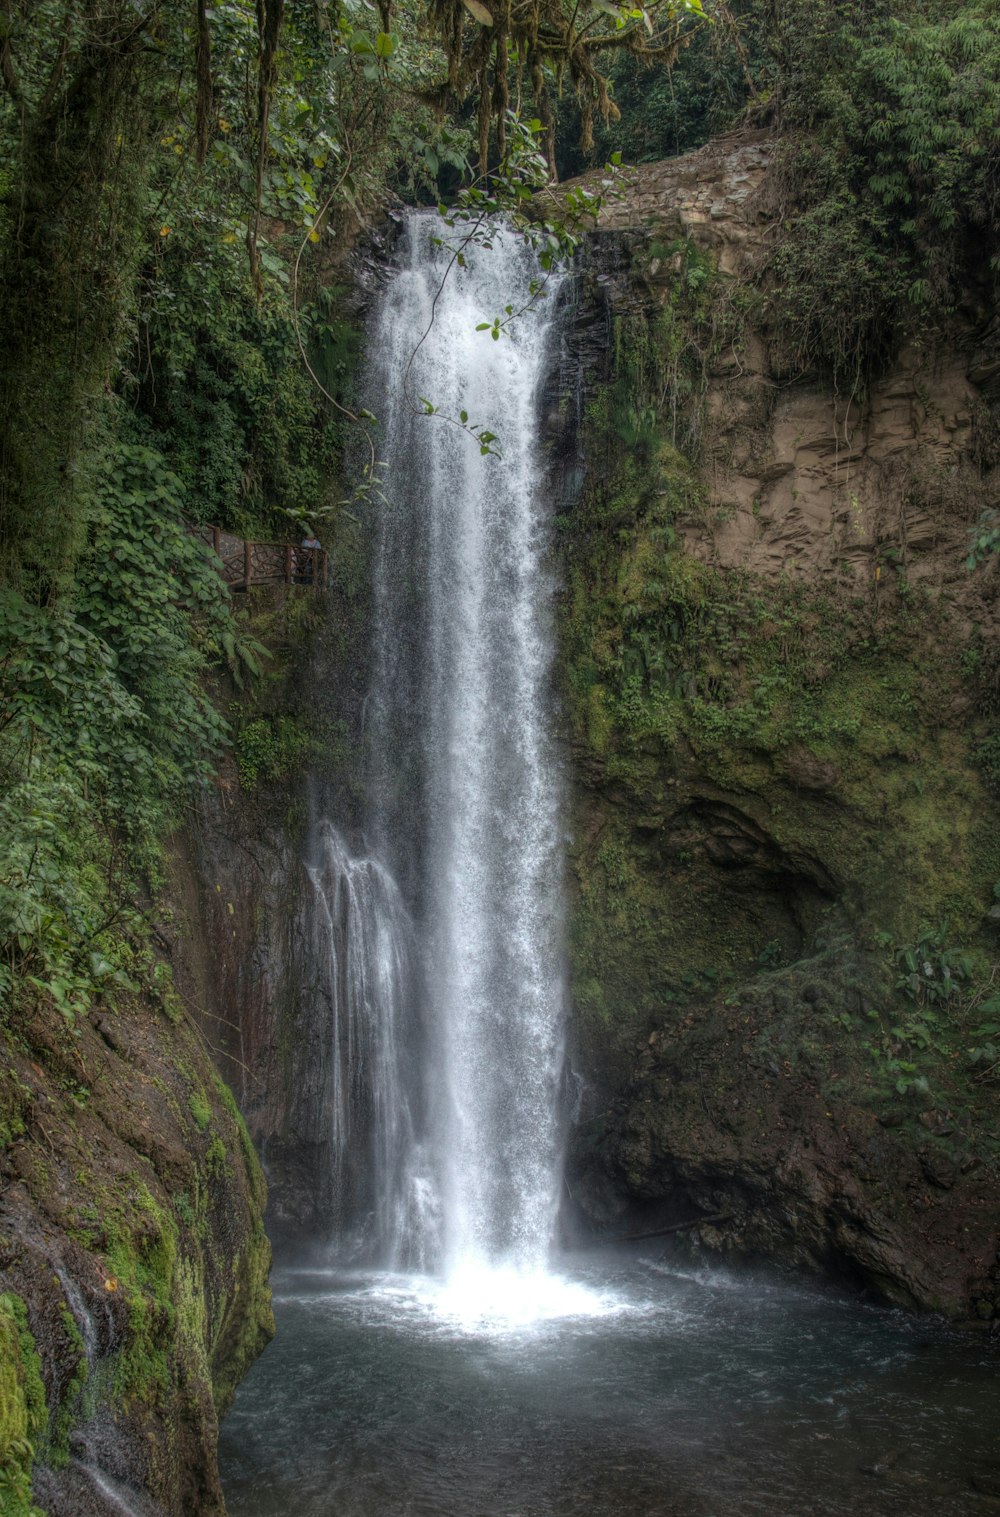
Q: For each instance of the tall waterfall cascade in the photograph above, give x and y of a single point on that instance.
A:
(465, 787)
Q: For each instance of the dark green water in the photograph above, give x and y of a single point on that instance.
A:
(635, 1390)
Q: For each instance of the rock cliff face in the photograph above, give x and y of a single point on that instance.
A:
(780, 688)
(244, 946)
(133, 1262)
(245, 881)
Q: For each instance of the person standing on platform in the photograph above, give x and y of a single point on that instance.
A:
(308, 558)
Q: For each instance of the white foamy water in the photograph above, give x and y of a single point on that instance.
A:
(469, 1303)
(507, 1299)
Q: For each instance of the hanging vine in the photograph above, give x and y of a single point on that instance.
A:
(549, 42)
(270, 14)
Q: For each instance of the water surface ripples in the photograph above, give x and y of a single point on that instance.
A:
(616, 1387)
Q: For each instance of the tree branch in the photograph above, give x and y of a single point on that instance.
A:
(203, 88)
(7, 69)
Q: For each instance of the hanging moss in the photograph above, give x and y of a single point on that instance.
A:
(78, 129)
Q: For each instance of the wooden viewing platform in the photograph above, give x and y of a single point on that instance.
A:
(244, 564)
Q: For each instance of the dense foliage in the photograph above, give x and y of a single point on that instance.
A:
(176, 190)
(886, 185)
(665, 111)
(107, 723)
(79, 91)
(158, 345)
(889, 175)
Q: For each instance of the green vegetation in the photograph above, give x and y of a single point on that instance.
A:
(75, 115)
(887, 121)
(200, 1109)
(138, 1242)
(188, 362)
(180, 191)
(176, 192)
(890, 130)
(764, 759)
(663, 112)
(23, 1413)
(814, 712)
(107, 725)
(271, 749)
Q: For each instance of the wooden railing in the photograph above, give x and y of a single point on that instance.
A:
(244, 564)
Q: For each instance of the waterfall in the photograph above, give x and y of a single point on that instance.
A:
(439, 954)
(465, 781)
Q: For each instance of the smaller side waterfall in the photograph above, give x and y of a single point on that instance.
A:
(381, 1201)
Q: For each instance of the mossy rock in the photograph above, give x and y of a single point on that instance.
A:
(780, 785)
(134, 1236)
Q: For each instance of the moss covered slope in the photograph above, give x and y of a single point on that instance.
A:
(133, 1262)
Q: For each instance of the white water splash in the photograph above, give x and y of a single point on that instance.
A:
(505, 1299)
(471, 1302)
